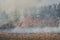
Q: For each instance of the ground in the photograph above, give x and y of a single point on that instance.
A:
(34, 36)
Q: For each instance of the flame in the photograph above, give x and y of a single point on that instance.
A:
(24, 22)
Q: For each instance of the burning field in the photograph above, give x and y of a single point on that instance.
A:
(29, 20)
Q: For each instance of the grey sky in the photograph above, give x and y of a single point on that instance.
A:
(10, 5)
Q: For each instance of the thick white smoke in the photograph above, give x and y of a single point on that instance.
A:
(33, 30)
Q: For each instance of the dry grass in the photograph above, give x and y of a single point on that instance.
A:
(35, 36)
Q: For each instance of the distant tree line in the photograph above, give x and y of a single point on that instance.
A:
(46, 12)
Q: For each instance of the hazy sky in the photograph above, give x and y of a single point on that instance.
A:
(10, 5)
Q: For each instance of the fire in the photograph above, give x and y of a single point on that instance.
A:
(30, 22)
(17, 25)
(24, 23)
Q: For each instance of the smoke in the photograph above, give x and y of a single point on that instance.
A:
(33, 30)
(22, 5)
(37, 30)
(48, 2)
(9, 7)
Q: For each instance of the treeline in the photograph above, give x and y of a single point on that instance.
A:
(46, 15)
(46, 12)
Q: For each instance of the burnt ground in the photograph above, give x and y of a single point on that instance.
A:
(32, 36)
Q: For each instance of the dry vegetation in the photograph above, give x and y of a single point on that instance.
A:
(35, 36)
(30, 21)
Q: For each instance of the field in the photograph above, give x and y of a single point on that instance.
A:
(35, 36)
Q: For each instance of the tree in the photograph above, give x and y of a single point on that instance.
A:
(3, 17)
(58, 10)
